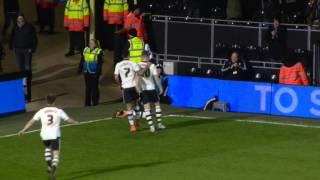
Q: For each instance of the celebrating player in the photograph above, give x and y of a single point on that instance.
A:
(148, 83)
(128, 72)
(50, 118)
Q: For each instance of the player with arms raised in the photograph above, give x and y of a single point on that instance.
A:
(127, 72)
(148, 83)
(50, 118)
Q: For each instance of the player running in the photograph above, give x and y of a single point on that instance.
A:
(128, 72)
(148, 83)
(50, 118)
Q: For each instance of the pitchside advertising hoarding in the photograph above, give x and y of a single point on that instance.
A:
(250, 97)
(11, 97)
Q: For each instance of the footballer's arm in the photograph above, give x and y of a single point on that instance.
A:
(72, 121)
(158, 82)
(26, 127)
(116, 77)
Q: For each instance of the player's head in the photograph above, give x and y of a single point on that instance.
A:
(145, 56)
(50, 99)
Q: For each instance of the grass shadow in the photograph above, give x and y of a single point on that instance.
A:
(93, 172)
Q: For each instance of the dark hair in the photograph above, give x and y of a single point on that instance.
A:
(277, 18)
(51, 98)
(21, 14)
(133, 32)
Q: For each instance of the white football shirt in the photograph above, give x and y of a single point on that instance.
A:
(147, 81)
(50, 118)
(127, 71)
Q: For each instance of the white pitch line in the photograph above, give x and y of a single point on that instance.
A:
(178, 116)
(104, 119)
(279, 123)
(190, 116)
(66, 125)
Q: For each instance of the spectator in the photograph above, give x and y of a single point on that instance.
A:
(292, 72)
(24, 42)
(76, 21)
(91, 66)
(234, 69)
(312, 12)
(276, 38)
(164, 98)
(46, 17)
(114, 13)
(11, 9)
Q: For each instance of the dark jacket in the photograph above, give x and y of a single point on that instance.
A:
(277, 45)
(11, 6)
(24, 37)
(231, 72)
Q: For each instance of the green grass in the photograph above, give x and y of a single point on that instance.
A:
(191, 148)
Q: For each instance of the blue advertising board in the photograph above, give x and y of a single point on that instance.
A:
(190, 91)
(12, 97)
(250, 97)
(245, 96)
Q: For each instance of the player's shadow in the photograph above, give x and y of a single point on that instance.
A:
(93, 172)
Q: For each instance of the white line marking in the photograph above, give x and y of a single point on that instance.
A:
(179, 116)
(190, 116)
(104, 119)
(66, 125)
(279, 123)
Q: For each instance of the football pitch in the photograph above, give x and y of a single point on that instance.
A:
(196, 145)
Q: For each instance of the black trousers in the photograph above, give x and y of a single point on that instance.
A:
(46, 18)
(77, 41)
(8, 18)
(24, 61)
(92, 89)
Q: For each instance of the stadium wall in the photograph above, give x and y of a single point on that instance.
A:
(246, 97)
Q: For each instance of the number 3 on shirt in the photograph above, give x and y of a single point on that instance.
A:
(50, 119)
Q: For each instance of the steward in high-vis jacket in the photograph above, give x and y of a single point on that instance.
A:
(76, 21)
(115, 11)
(293, 73)
(136, 47)
(91, 67)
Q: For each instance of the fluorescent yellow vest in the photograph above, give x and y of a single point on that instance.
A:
(136, 49)
(91, 59)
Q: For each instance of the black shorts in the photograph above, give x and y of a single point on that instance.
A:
(130, 95)
(53, 144)
(150, 96)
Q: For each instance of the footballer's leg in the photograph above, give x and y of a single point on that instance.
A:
(56, 156)
(159, 116)
(138, 113)
(48, 155)
(147, 110)
(131, 117)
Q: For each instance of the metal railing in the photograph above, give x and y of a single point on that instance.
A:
(200, 61)
(259, 26)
